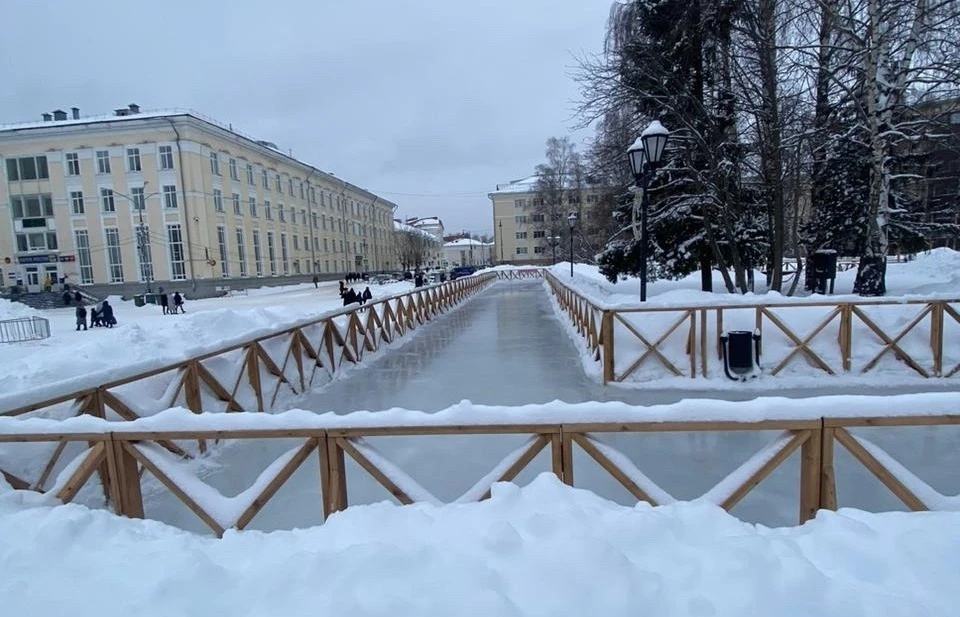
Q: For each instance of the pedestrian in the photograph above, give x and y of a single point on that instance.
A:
(178, 302)
(316, 280)
(77, 296)
(106, 315)
(66, 298)
(164, 301)
(350, 297)
(81, 312)
(367, 296)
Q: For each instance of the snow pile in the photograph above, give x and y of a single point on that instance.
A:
(15, 310)
(545, 549)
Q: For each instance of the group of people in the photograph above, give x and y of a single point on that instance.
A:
(350, 296)
(177, 303)
(100, 315)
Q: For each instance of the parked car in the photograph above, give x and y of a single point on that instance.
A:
(462, 271)
(382, 279)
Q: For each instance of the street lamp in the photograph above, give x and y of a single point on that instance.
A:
(572, 222)
(143, 240)
(501, 239)
(645, 155)
(553, 241)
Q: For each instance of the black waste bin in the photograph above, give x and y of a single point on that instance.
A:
(741, 351)
(138, 300)
(824, 270)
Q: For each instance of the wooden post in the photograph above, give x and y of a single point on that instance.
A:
(191, 390)
(337, 479)
(936, 336)
(692, 343)
(556, 451)
(846, 336)
(810, 475)
(606, 335)
(828, 480)
(703, 341)
(124, 480)
(567, 453)
(96, 407)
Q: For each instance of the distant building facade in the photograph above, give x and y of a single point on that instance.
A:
(468, 252)
(175, 198)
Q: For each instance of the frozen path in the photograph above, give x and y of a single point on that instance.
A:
(504, 347)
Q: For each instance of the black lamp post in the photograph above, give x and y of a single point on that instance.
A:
(645, 155)
(501, 240)
(553, 241)
(572, 222)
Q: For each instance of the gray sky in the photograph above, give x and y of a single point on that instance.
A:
(429, 103)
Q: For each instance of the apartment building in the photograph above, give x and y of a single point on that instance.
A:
(174, 199)
(523, 233)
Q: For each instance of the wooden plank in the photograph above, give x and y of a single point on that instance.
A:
(612, 468)
(556, 454)
(944, 420)
(650, 348)
(828, 477)
(253, 373)
(48, 469)
(175, 489)
(810, 475)
(892, 343)
(14, 481)
(521, 463)
(877, 469)
(803, 346)
(274, 485)
(703, 342)
(567, 454)
(374, 471)
(325, 476)
(338, 476)
(125, 480)
(217, 388)
(765, 470)
(94, 458)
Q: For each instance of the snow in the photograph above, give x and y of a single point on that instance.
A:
(544, 549)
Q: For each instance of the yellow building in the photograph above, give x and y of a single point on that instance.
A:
(174, 199)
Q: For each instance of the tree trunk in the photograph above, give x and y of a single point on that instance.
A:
(706, 271)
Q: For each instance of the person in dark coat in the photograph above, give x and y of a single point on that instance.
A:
(66, 298)
(178, 302)
(96, 319)
(316, 280)
(106, 315)
(164, 302)
(350, 297)
(367, 296)
(81, 313)
(77, 297)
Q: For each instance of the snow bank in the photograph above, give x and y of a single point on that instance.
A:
(545, 549)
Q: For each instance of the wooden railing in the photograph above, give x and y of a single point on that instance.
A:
(846, 337)
(520, 273)
(120, 453)
(251, 375)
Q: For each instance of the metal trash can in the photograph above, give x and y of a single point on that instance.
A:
(824, 269)
(138, 300)
(150, 298)
(741, 351)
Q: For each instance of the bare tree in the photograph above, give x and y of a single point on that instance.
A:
(413, 247)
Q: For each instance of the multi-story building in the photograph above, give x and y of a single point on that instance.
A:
(467, 252)
(523, 230)
(175, 199)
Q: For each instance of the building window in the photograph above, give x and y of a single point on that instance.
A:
(293, 215)
(166, 157)
(73, 164)
(518, 203)
(170, 197)
(114, 254)
(323, 222)
(103, 161)
(281, 213)
(241, 253)
(32, 206)
(290, 186)
(144, 254)
(138, 198)
(279, 184)
(316, 243)
(521, 250)
(106, 200)
(313, 215)
(217, 200)
(306, 244)
(214, 164)
(296, 266)
(249, 174)
(539, 233)
(539, 218)
(36, 241)
(236, 204)
(76, 202)
(325, 247)
(521, 235)
(28, 168)
(301, 189)
(257, 253)
(271, 254)
(267, 210)
(265, 179)
(178, 270)
(253, 206)
(520, 219)
(296, 243)
(538, 250)
(303, 216)
(224, 254)
(133, 160)
(81, 241)
(234, 174)
(284, 255)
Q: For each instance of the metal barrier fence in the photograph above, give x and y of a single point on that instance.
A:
(24, 329)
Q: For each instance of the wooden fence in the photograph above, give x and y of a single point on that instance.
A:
(121, 453)
(846, 337)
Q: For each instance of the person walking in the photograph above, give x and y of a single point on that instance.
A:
(316, 281)
(81, 313)
(106, 315)
(164, 302)
(77, 296)
(178, 302)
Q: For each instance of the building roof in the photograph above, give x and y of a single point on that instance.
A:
(465, 242)
(523, 185)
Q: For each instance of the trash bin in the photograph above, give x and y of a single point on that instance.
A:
(150, 298)
(824, 269)
(138, 300)
(741, 351)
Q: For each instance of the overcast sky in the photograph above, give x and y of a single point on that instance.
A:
(429, 103)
